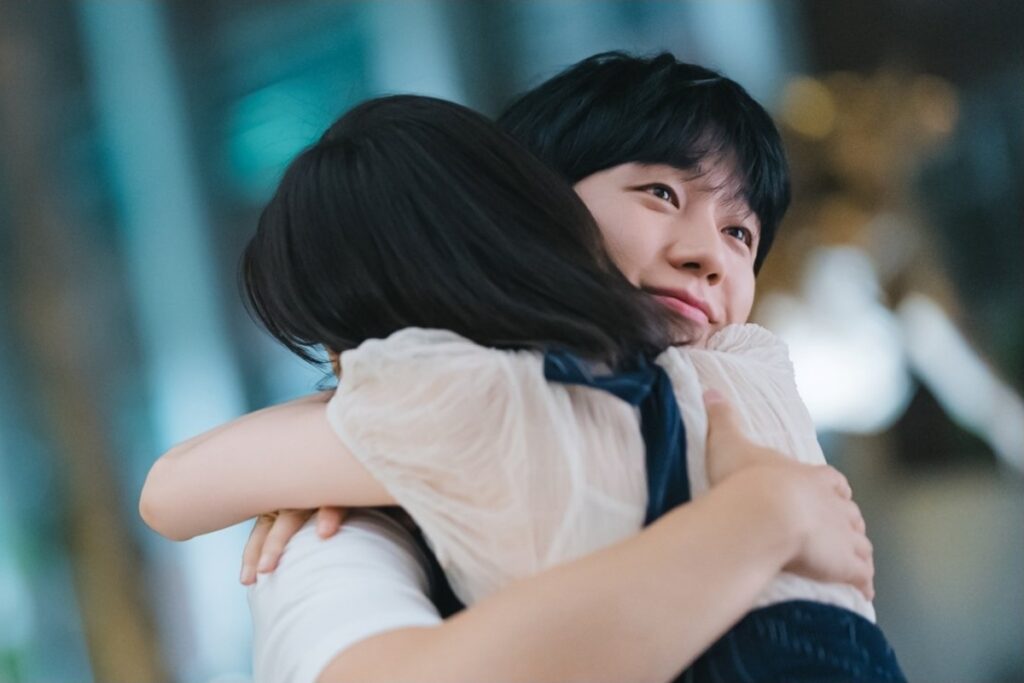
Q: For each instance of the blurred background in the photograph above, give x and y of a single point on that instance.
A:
(139, 139)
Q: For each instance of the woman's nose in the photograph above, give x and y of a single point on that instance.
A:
(698, 249)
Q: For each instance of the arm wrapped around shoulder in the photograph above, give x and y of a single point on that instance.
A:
(750, 366)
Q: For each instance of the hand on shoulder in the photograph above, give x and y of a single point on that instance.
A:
(814, 501)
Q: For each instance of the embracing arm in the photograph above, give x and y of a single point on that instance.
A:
(640, 610)
(645, 608)
(286, 456)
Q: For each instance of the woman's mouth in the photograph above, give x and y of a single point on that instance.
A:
(683, 308)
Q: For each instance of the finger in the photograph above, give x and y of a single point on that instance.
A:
(865, 550)
(870, 593)
(721, 418)
(865, 581)
(285, 526)
(866, 556)
(253, 548)
(839, 482)
(856, 517)
(328, 521)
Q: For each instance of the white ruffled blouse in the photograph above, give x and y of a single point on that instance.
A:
(508, 474)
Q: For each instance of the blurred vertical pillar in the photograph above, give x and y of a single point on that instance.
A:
(755, 43)
(410, 49)
(552, 34)
(49, 306)
(192, 376)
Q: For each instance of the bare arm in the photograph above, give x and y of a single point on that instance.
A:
(285, 456)
(638, 611)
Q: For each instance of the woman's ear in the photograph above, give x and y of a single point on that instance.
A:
(335, 359)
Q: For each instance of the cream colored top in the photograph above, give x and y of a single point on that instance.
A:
(509, 474)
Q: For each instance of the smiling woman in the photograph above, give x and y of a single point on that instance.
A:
(691, 130)
(684, 238)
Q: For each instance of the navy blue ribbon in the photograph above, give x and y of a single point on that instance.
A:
(646, 385)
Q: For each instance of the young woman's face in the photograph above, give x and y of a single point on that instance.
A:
(679, 237)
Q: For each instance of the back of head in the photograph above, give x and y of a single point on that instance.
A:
(613, 108)
(416, 212)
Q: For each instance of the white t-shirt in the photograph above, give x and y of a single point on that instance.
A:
(326, 595)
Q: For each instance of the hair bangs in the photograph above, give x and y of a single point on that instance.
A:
(613, 109)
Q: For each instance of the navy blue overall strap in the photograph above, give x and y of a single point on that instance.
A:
(646, 385)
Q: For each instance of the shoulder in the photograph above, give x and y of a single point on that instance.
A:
(429, 352)
(747, 347)
(326, 595)
(415, 341)
(748, 339)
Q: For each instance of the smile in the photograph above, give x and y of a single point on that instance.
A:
(685, 305)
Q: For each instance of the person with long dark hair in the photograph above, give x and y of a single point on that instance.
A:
(533, 337)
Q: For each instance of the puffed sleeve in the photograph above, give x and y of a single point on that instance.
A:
(505, 473)
(753, 366)
(750, 366)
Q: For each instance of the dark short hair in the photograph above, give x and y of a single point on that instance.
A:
(416, 212)
(614, 108)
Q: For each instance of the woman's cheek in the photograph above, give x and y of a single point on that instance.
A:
(622, 250)
(745, 305)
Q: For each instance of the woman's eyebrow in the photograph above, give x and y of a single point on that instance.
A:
(659, 170)
(686, 175)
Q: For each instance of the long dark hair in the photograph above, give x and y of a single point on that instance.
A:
(614, 108)
(416, 212)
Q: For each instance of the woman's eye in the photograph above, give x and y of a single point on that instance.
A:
(742, 234)
(664, 193)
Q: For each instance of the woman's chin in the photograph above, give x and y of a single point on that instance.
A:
(689, 333)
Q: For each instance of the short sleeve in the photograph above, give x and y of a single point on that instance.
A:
(752, 362)
(751, 367)
(328, 594)
(505, 473)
